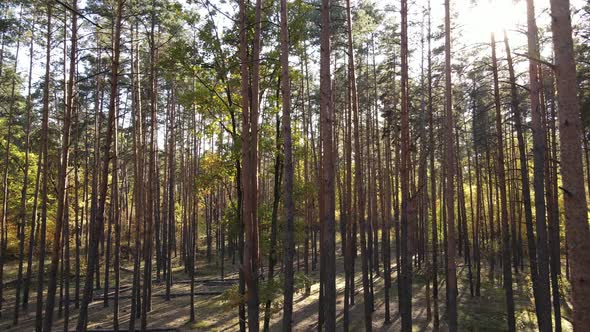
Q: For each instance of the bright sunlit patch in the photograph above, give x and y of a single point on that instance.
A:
(486, 16)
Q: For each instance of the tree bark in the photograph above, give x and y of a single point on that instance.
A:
(327, 194)
(288, 190)
(405, 240)
(526, 194)
(23, 201)
(45, 177)
(506, 251)
(450, 190)
(544, 310)
(98, 225)
(570, 129)
(433, 207)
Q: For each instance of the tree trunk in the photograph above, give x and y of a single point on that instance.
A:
(171, 217)
(272, 255)
(327, 195)
(358, 176)
(249, 90)
(45, 177)
(570, 129)
(115, 203)
(405, 240)
(506, 251)
(23, 201)
(553, 198)
(138, 170)
(288, 190)
(450, 190)
(153, 179)
(93, 256)
(433, 208)
(526, 195)
(544, 310)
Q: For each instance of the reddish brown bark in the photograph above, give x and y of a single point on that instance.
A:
(570, 129)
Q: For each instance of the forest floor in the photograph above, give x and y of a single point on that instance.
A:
(215, 310)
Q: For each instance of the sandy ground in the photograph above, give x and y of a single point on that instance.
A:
(213, 313)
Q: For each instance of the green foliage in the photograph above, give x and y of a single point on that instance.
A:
(301, 281)
(214, 169)
(232, 298)
(14, 162)
(271, 289)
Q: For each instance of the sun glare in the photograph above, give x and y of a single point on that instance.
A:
(487, 16)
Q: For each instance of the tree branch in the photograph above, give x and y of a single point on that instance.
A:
(66, 6)
(540, 61)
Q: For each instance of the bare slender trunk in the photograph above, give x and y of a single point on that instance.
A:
(506, 251)
(288, 189)
(405, 240)
(99, 221)
(23, 201)
(450, 174)
(45, 177)
(327, 195)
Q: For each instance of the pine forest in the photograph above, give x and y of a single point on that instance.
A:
(294, 165)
